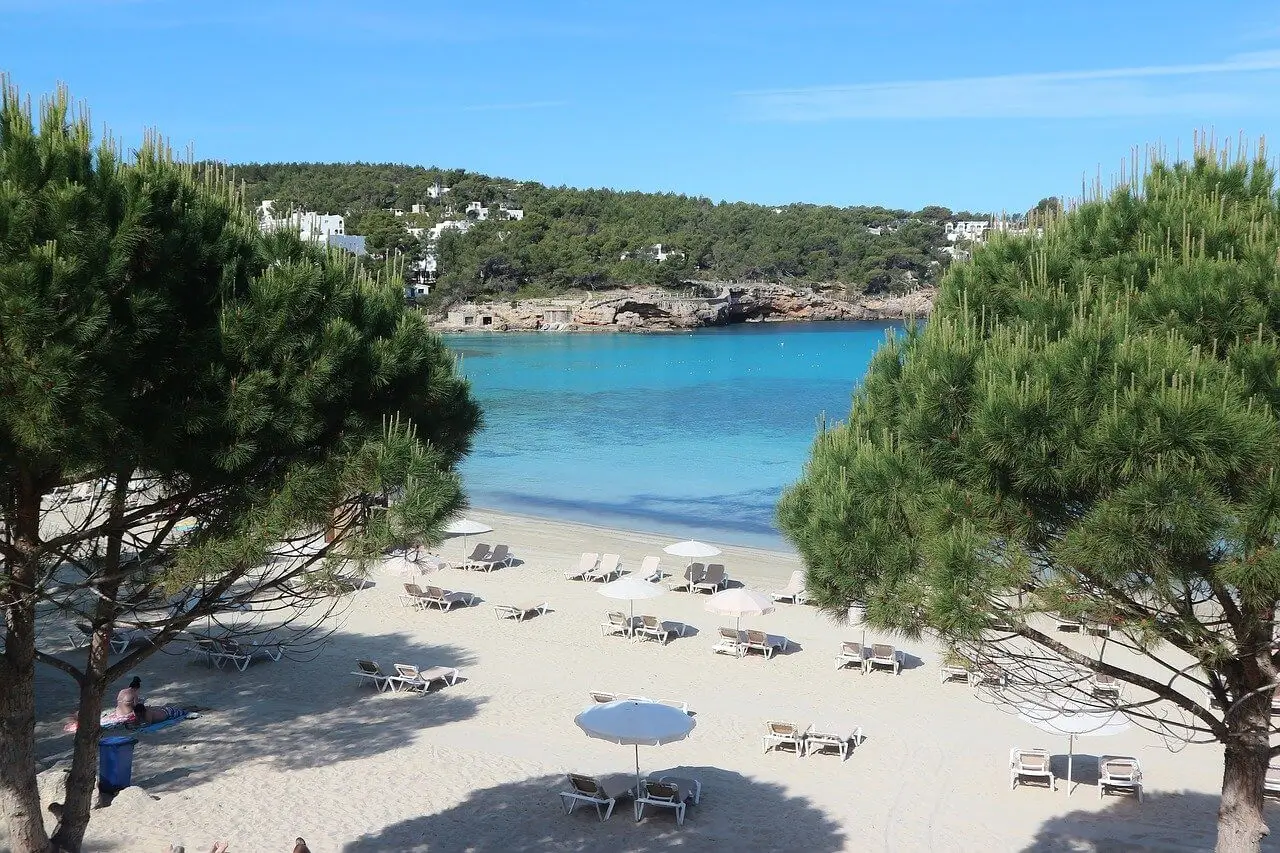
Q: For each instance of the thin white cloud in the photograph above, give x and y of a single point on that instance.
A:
(1240, 84)
(524, 105)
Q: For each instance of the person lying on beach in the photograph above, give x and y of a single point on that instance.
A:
(142, 715)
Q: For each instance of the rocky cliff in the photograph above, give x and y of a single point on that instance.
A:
(660, 310)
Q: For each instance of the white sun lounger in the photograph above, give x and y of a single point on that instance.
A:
(367, 670)
(795, 591)
(780, 733)
(409, 677)
(1120, 772)
(1032, 763)
(610, 567)
(586, 564)
(587, 789)
(518, 612)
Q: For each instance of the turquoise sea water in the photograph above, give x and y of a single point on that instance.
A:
(691, 434)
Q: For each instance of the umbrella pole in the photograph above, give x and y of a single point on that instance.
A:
(1071, 751)
(639, 789)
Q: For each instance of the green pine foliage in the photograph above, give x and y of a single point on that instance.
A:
(574, 239)
(1090, 417)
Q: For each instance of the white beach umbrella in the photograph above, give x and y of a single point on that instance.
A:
(1073, 721)
(740, 602)
(631, 722)
(466, 528)
(633, 589)
(691, 549)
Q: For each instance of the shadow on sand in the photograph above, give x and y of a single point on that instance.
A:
(736, 813)
(251, 719)
(1173, 822)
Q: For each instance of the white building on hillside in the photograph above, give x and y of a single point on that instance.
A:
(310, 226)
(516, 213)
(436, 190)
(967, 229)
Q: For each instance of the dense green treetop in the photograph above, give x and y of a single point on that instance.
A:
(577, 239)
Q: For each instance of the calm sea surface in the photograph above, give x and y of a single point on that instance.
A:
(691, 434)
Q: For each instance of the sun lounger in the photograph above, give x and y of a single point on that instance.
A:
(478, 553)
(518, 612)
(409, 677)
(730, 643)
(1030, 763)
(952, 671)
(264, 645)
(1067, 623)
(219, 654)
(668, 793)
(600, 697)
(795, 591)
(1123, 772)
(617, 622)
(713, 580)
(766, 643)
(651, 626)
(1105, 686)
(779, 734)
(586, 789)
(413, 596)
(610, 567)
(692, 575)
(650, 569)
(851, 653)
(884, 655)
(370, 671)
(586, 564)
(501, 556)
(120, 638)
(988, 674)
(445, 598)
(828, 737)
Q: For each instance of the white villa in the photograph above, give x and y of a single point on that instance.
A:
(967, 229)
(311, 226)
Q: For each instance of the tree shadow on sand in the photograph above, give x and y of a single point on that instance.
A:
(736, 813)
(254, 717)
(1166, 822)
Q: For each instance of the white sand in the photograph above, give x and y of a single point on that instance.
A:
(300, 747)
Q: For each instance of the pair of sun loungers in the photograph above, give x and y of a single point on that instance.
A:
(667, 792)
(592, 567)
(1115, 772)
(221, 651)
(416, 596)
(601, 697)
(700, 578)
(640, 627)
(868, 658)
(406, 676)
(812, 739)
(487, 559)
(740, 643)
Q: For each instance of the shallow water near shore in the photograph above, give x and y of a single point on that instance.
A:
(689, 434)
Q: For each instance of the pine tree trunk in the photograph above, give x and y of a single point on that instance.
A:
(19, 796)
(1241, 824)
(83, 776)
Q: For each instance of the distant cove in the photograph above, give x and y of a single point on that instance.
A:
(692, 434)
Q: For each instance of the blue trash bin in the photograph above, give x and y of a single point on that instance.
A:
(115, 762)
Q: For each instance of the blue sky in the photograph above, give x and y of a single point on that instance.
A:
(974, 104)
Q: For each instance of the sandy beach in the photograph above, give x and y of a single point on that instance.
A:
(303, 747)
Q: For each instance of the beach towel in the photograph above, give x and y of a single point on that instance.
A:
(164, 724)
(111, 719)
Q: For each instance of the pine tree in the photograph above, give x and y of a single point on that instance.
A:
(1087, 428)
(163, 359)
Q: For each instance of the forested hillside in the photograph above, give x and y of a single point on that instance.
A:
(590, 239)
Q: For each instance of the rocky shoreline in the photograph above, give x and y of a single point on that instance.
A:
(654, 309)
